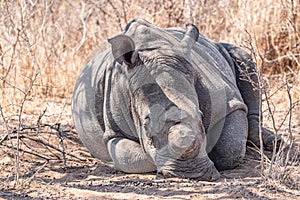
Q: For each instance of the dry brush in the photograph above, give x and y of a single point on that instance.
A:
(44, 43)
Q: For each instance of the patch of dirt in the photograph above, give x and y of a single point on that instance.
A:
(83, 177)
(53, 164)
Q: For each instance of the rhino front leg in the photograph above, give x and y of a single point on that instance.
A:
(230, 148)
(128, 156)
(247, 82)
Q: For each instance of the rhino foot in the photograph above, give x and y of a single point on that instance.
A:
(268, 137)
(193, 168)
(210, 175)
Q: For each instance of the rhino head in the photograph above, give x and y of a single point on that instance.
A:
(165, 107)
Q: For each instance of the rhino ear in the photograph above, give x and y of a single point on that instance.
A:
(123, 50)
(190, 37)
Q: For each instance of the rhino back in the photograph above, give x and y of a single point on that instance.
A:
(216, 85)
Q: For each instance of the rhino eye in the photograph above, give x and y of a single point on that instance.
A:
(146, 125)
(146, 122)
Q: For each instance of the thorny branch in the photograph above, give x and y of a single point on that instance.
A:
(291, 138)
(260, 88)
(37, 128)
(279, 154)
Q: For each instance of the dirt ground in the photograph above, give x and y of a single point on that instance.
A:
(55, 165)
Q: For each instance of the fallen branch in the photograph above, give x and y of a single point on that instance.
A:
(28, 152)
(63, 152)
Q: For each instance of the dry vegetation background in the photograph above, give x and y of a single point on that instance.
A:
(44, 44)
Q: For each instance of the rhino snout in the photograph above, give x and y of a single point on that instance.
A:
(183, 141)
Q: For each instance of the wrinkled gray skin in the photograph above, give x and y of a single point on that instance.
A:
(168, 100)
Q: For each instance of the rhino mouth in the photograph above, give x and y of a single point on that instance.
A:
(194, 168)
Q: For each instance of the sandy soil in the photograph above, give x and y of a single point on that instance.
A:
(55, 165)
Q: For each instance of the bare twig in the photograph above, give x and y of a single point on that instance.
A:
(28, 152)
(260, 88)
(6, 136)
(291, 138)
(37, 171)
(46, 144)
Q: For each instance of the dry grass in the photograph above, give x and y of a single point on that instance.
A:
(44, 44)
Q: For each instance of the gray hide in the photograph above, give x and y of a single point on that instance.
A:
(165, 100)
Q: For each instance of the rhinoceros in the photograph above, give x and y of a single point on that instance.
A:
(169, 100)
